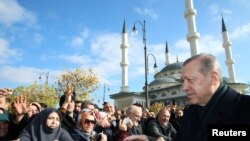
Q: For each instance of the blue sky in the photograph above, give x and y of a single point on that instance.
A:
(55, 35)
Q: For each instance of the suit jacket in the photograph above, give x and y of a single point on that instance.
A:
(230, 108)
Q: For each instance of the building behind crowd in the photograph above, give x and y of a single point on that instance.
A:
(166, 86)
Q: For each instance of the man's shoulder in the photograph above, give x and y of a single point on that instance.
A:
(245, 97)
(152, 121)
(153, 124)
(191, 108)
(233, 96)
(233, 107)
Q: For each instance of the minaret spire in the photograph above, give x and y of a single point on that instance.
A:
(124, 27)
(124, 63)
(167, 55)
(192, 36)
(227, 45)
(223, 25)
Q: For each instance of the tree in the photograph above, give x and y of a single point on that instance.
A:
(43, 94)
(156, 107)
(83, 82)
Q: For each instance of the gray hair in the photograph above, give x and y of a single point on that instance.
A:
(208, 63)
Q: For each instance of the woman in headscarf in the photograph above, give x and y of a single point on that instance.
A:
(45, 127)
(85, 128)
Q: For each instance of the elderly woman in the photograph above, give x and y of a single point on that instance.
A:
(84, 130)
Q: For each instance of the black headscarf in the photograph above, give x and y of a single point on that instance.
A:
(38, 130)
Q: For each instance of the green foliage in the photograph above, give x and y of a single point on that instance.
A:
(83, 82)
(37, 93)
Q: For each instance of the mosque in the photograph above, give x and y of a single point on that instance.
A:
(165, 87)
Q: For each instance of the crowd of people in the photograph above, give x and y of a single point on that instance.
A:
(211, 102)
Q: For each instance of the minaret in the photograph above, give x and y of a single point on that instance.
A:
(167, 55)
(229, 59)
(124, 63)
(192, 36)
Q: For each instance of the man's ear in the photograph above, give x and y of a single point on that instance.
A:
(215, 78)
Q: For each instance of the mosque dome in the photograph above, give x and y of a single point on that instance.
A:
(173, 66)
(163, 80)
(226, 80)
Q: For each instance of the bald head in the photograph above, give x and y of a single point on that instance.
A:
(134, 113)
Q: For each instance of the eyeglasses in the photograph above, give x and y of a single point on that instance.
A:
(87, 121)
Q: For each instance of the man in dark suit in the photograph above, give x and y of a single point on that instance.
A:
(212, 103)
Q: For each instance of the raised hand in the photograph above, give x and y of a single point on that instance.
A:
(68, 94)
(20, 105)
(6, 91)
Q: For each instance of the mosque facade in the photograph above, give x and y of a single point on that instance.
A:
(165, 87)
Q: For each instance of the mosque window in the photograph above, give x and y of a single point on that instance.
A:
(163, 94)
(174, 93)
(153, 96)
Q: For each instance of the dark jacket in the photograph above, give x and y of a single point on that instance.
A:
(176, 123)
(78, 135)
(226, 107)
(155, 130)
(135, 130)
(67, 122)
